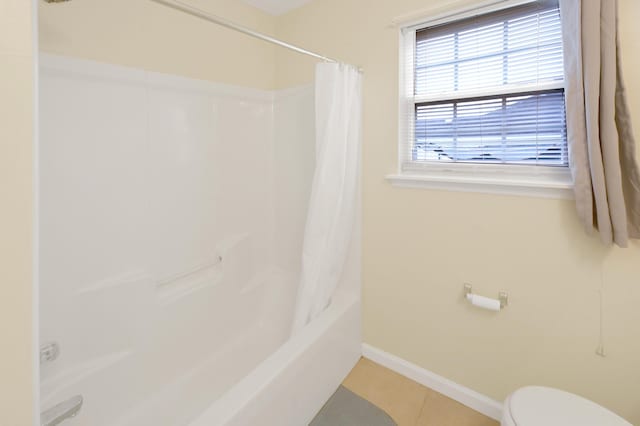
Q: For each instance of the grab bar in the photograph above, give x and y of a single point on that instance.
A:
(193, 270)
(61, 412)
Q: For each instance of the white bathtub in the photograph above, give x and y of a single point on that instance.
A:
(261, 378)
(254, 376)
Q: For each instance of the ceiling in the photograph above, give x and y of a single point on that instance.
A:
(276, 7)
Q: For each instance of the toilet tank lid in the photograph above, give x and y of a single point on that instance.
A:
(538, 405)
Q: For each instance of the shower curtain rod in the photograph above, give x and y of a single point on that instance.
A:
(178, 5)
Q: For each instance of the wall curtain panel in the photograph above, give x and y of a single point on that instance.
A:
(333, 205)
(599, 133)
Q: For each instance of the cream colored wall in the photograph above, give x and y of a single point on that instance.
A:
(16, 206)
(420, 246)
(143, 34)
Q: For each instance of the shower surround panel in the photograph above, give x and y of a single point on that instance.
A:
(172, 215)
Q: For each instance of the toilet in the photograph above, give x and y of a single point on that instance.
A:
(542, 406)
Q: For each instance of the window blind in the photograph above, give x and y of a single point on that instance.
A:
(489, 89)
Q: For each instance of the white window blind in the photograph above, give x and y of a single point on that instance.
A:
(490, 89)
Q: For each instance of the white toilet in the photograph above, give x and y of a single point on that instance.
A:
(541, 406)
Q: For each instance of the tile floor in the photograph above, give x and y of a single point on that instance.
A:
(407, 402)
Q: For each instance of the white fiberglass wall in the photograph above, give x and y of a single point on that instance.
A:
(146, 181)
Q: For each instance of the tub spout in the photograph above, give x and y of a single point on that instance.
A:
(61, 412)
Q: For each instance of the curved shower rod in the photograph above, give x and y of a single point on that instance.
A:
(181, 6)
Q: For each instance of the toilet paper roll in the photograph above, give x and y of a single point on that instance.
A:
(484, 302)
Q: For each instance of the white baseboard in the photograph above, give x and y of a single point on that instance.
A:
(463, 395)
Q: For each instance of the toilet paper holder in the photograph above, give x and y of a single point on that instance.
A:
(503, 296)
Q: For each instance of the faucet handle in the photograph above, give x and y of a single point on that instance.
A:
(49, 352)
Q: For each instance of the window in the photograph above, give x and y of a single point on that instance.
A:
(484, 94)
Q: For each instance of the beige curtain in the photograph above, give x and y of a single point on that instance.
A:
(601, 143)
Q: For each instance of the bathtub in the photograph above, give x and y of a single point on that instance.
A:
(262, 377)
(256, 376)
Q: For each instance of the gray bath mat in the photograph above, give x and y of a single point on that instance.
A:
(345, 408)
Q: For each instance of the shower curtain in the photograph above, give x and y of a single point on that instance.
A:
(334, 194)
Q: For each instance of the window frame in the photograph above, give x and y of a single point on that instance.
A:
(512, 179)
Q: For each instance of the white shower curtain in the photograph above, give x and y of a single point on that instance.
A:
(334, 194)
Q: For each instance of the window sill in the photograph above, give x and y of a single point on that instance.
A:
(505, 180)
